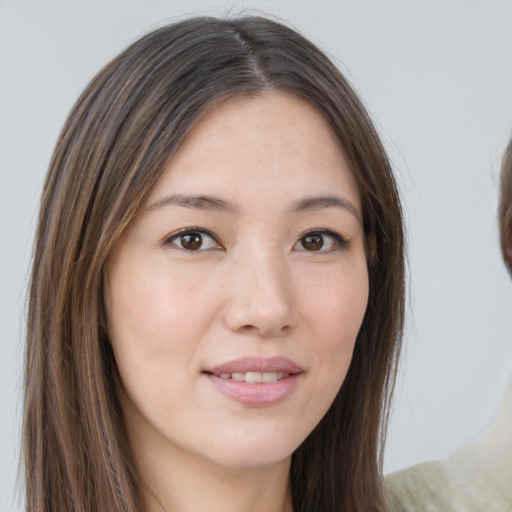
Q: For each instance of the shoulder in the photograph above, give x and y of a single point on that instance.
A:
(424, 487)
(476, 477)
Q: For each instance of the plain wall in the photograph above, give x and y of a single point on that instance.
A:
(436, 76)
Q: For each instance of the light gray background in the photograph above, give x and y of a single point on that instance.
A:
(437, 77)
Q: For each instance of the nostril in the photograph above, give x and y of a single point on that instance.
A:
(265, 331)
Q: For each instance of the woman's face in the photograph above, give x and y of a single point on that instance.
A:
(235, 297)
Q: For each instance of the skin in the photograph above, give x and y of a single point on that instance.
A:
(254, 286)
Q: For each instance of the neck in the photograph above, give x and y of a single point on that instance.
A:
(185, 485)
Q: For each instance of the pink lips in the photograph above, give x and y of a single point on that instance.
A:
(256, 394)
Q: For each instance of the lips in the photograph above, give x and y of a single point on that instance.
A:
(256, 382)
(258, 364)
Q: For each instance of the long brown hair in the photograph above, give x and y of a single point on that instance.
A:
(505, 207)
(115, 144)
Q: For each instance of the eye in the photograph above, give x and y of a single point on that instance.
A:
(320, 241)
(192, 240)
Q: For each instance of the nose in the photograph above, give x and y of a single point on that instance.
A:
(262, 300)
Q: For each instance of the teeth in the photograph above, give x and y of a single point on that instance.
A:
(253, 377)
(269, 377)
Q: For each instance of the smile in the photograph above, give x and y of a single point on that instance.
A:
(255, 377)
(256, 381)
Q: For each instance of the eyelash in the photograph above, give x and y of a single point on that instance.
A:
(177, 235)
(338, 243)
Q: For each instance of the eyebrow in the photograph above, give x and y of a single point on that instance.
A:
(215, 204)
(199, 202)
(318, 202)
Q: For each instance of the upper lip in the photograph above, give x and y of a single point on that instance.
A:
(257, 364)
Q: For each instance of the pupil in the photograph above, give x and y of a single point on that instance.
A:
(191, 241)
(313, 242)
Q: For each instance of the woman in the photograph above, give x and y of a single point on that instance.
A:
(219, 249)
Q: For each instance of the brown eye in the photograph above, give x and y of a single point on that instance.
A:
(312, 242)
(191, 241)
(322, 241)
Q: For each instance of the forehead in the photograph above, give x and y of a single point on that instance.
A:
(260, 145)
(242, 119)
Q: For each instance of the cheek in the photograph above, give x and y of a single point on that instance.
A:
(151, 343)
(140, 311)
(335, 312)
(145, 299)
(337, 309)
(155, 316)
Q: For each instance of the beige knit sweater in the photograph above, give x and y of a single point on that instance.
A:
(478, 477)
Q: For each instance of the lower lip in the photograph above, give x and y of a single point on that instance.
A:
(256, 394)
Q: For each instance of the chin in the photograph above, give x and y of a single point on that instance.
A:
(253, 452)
(251, 459)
